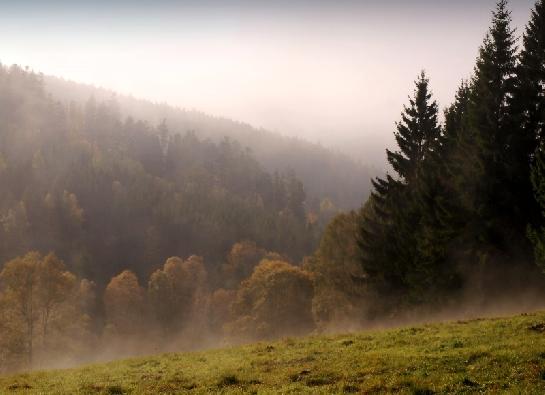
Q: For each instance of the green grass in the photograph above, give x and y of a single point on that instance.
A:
(478, 356)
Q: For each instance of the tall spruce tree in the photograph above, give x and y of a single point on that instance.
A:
(440, 216)
(529, 99)
(443, 170)
(444, 214)
(387, 236)
(528, 117)
(417, 134)
(529, 102)
(489, 165)
(455, 116)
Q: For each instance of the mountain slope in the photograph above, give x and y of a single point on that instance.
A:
(108, 194)
(325, 173)
(486, 356)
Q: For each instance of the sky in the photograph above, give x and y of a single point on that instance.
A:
(335, 72)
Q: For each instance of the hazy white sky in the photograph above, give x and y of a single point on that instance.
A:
(329, 71)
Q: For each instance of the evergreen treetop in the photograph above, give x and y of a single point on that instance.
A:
(418, 132)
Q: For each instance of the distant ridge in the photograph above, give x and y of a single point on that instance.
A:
(324, 172)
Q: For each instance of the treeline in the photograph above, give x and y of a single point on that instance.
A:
(324, 173)
(108, 194)
(51, 317)
(465, 199)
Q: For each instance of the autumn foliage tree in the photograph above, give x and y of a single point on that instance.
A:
(275, 301)
(37, 295)
(176, 292)
(124, 304)
(340, 291)
(241, 261)
(220, 310)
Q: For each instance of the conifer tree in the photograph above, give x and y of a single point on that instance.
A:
(488, 164)
(417, 134)
(436, 276)
(455, 116)
(387, 234)
(530, 89)
(443, 211)
(529, 102)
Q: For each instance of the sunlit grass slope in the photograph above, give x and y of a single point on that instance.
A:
(479, 356)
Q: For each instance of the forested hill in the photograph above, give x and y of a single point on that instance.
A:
(324, 173)
(107, 193)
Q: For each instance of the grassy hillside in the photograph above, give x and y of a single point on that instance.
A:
(490, 356)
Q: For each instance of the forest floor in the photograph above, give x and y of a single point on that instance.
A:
(504, 355)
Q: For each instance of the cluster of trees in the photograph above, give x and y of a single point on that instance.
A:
(108, 194)
(43, 308)
(54, 317)
(51, 316)
(465, 196)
